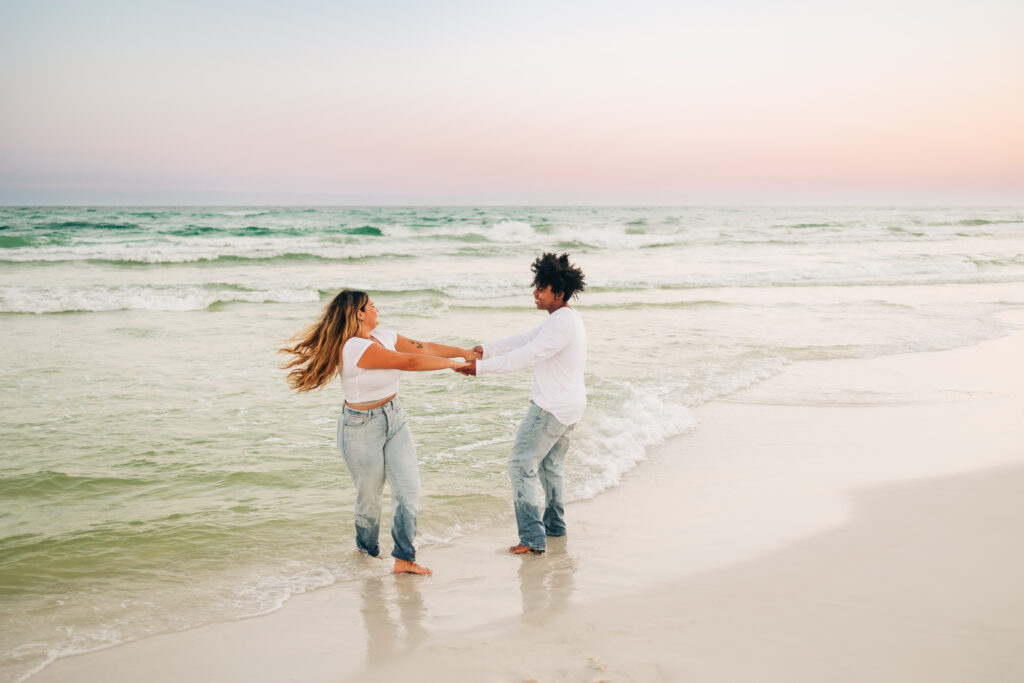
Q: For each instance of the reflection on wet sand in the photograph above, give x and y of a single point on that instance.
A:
(393, 613)
(547, 583)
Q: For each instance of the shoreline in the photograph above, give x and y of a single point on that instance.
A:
(805, 475)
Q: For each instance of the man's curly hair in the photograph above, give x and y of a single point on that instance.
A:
(556, 271)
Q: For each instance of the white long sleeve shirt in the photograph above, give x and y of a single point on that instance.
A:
(557, 349)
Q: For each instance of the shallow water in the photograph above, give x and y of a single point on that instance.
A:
(158, 474)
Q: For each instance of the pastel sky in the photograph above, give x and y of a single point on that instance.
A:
(724, 102)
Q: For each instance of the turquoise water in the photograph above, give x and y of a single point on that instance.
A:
(157, 473)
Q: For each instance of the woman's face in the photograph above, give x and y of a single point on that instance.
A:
(369, 312)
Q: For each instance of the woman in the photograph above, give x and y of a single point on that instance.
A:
(373, 432)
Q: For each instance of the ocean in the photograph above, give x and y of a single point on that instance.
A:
(157, 473)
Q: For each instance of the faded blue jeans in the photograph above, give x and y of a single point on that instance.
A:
(377, 445)
(535, 468)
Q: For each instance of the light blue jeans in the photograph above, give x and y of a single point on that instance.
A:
(377, 445)
(535, 468)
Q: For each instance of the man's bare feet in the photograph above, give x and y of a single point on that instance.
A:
(407, 567)
(523, 549)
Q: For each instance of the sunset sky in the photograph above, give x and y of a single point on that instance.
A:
(731, 102)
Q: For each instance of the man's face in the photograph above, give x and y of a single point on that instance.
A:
(546, 300)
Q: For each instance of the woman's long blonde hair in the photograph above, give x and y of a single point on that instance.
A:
(317, 349)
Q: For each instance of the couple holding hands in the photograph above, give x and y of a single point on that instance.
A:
(373, 431)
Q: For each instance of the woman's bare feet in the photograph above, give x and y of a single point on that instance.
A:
(407, 567)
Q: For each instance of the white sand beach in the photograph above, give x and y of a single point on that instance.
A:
(796, 535)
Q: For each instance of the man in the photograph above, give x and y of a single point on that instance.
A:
(557, 349)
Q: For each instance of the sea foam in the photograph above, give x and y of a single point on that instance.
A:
(623, 419)
(33, 299)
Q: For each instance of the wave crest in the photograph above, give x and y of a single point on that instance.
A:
(30, 299)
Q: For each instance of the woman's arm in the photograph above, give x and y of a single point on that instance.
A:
(404, 345)
(376, 357)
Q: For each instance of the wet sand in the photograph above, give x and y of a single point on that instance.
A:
(845, 521)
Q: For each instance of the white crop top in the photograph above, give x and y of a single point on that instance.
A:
(363, 386)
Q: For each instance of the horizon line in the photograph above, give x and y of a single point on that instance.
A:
(540, 205)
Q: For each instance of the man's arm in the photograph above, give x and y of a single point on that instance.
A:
(503, 346)
(550, 338)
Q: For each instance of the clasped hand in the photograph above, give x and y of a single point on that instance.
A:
(468, 366)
